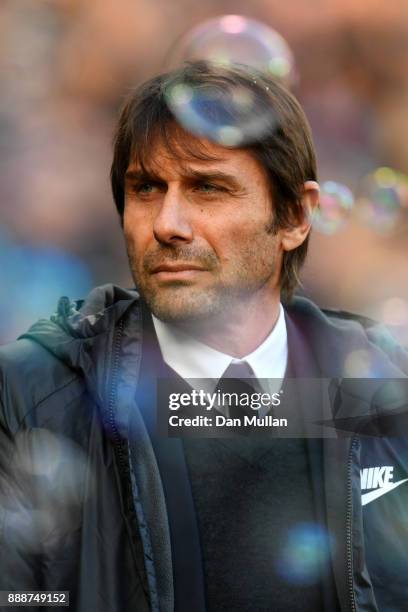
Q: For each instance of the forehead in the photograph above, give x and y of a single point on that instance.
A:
(178, 151)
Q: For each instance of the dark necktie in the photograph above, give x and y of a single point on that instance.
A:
(238, 379)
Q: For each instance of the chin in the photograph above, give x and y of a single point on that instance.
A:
(183, 309)
(184, 314)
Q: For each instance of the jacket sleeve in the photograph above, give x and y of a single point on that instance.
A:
(21, 518)
(19, 546)
(45, 476)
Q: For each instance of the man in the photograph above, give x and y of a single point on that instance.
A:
(95, 502)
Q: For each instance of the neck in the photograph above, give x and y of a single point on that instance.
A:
(240, 332)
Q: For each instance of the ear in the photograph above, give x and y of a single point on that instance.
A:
(293, 236)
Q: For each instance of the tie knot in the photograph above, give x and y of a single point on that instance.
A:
(239, 370)
(237, 382)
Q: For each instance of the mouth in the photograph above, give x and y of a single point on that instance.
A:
(176, 271)
(175, 267)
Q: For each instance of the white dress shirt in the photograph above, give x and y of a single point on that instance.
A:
(193, 359)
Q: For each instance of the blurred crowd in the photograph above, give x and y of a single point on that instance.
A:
(65, 66)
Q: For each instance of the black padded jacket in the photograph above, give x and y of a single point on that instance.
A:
(82, 507)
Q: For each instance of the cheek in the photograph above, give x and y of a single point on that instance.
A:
(138, 217)
(136, 232)
(252, 246)
(134, 251)
(246, 232)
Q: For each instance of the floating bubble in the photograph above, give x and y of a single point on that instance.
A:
(27, 528)
(358, 364)
(362, 363)
(395, 312)
(43, 489)
(381, 196)
(242, 112)
(39, 454)
(305, 556)
(394, 394)
(52, 459)
(235, 39)
(231, 117)
(335, 206)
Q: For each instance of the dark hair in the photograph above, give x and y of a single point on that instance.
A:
(285, 150)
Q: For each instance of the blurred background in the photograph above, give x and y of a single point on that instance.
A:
(65, 66)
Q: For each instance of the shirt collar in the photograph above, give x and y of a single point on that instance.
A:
(193, 359)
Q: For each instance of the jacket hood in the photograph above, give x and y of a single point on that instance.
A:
(78, 325)
(82, 331)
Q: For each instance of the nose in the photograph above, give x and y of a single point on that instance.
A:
(171, 225)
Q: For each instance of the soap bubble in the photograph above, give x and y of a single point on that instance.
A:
(241, 113)
(306, 553)
(358, 364)
(234, 39)
(42, 490)
(362, 363)
(336, 204)
(230, 118)
(381, 196)
(395, 312)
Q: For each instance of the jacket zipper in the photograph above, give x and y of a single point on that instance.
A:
(113, 390)
(349, 518)
(122, 453)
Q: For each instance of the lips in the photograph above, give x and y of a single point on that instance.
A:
(175, 267)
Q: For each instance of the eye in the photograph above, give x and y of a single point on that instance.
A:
(209, 188)
(142, 189)
(145, 188)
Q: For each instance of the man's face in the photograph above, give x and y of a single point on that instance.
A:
(198, 233)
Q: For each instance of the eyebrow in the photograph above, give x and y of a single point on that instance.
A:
(140, 175)
(190, 174)
(211, 175)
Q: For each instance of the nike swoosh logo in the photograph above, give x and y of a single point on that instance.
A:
(366, 498)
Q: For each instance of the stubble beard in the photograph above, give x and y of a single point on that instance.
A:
(182, 303)
(179, 301)
(186, 304)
